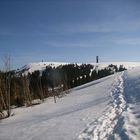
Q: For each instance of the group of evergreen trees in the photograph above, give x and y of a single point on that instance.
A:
(53, 81)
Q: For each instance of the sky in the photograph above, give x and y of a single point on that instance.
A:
(69, 30)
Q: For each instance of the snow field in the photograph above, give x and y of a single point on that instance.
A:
(132, 95)
(103, 128)
(29, 68)
(132, 124)
(63, 120)
(105, 109)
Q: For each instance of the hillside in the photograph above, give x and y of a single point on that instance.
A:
(104, 109)
(29, 68)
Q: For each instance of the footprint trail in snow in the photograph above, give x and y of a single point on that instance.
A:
(108, 126)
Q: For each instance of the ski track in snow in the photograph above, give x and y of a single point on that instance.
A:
(107, 127)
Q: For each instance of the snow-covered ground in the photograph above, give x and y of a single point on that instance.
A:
(127, 65)
(106, 109)
(29, 68)
(121, 121)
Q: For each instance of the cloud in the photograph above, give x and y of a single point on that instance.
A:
(113, 26)
(127, 41)
(86, 28)
(61, 44)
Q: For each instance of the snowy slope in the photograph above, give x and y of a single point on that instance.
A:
(106, 109)
(64, 120)
(122, 119)
(29, 68)
(42, 65)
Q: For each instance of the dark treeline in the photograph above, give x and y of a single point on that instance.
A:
(53, 81)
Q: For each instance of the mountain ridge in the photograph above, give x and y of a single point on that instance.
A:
(31, 67)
